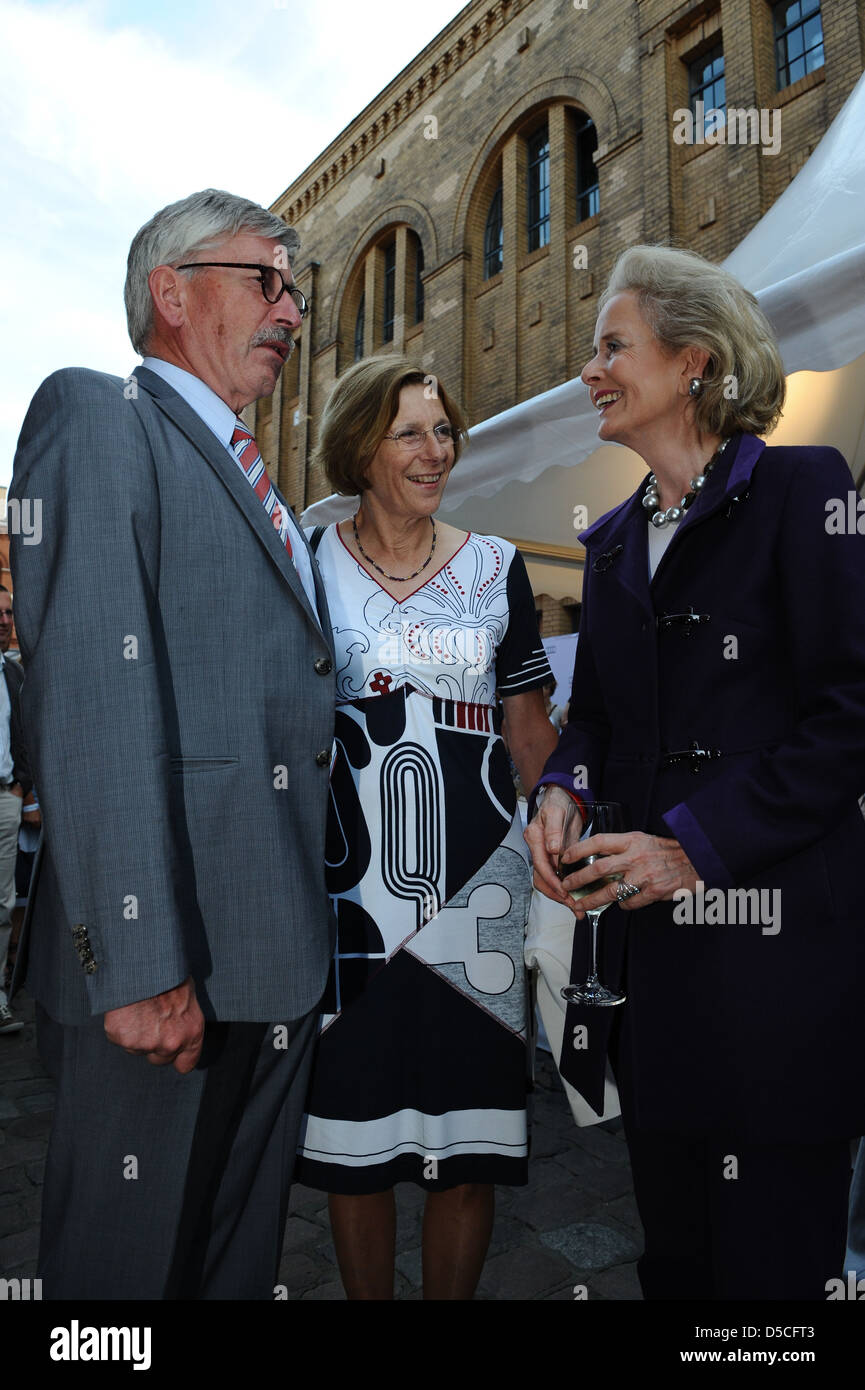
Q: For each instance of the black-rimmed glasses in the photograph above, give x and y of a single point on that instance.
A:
(273, 283)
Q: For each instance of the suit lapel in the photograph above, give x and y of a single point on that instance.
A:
(232, 479)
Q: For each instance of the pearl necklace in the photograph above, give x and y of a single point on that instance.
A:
(396, 578)
(650, 501)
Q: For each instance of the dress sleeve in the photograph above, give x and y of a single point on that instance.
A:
(521, 662)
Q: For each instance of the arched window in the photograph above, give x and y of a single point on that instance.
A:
(359, 328)
(538, 187)
(389, 291)
(383, 301)
(494, 237)
(418, 283)
(588, 193)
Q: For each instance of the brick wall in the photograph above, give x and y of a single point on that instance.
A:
(420, 164)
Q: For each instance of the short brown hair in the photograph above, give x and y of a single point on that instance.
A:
(689, 302)
(359, 410)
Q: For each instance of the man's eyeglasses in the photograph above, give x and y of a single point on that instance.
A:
(273, 283)
(412, 439)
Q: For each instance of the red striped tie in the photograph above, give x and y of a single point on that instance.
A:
(245, 450)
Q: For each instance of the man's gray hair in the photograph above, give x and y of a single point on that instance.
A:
(180, 232)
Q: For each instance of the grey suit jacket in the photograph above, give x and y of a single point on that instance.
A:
(178, 709)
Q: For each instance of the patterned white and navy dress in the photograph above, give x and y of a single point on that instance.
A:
(420, 1069)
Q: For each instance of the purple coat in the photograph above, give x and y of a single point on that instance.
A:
(748, 644)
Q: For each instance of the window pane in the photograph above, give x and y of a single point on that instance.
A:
(538, 189)
(813, 32)
(389, 290)
(494, 236)
(706, 84)
(418, 285)
(815, 58)
(359, 326)
(588, 201)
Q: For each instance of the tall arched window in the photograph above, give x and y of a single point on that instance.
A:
(418, 283)
(588, 192)
(538, 188)
(383, 302)
(389, 291)
(360, 328)
(494, 237)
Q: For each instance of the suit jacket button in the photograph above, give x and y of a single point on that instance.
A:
(324, 666)
(322, 758)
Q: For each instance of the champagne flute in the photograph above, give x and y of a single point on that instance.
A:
(602, 818)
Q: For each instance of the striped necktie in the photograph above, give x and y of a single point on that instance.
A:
(245, 450)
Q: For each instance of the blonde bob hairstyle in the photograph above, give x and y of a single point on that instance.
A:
(359, 411)
(689, 302)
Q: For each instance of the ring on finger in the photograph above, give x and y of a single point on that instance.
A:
(625, 890)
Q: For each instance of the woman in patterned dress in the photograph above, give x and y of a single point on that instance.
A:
(421, 1066)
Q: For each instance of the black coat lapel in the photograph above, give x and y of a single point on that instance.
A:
(617, 547)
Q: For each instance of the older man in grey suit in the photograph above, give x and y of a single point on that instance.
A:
(179, 933)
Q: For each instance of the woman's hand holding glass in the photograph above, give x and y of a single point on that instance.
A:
(657, 866)
(543, 836)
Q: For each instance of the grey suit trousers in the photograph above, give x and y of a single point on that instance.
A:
(162, 1186)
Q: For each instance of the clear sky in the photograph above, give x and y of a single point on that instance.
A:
(111, 109)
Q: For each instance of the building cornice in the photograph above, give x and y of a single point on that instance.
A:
(401, 100)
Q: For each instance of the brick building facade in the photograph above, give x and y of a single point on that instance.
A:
(470, 214)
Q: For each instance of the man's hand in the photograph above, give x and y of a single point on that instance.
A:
(544, 838)
(167, 1028)
(30, 812)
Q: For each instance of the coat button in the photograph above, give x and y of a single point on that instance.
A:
(324, 666)
(322, 758)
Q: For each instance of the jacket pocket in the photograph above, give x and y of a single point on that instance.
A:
(185, 765)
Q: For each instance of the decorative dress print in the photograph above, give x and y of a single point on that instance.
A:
(420, 1070)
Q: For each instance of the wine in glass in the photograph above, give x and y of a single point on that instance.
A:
(602, 818)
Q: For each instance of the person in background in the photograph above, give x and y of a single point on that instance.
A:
(555, 713)
(28, 845)
(421, 1069)
(719, 695)
(15, 785)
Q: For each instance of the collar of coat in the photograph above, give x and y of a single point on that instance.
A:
(730, 478)
(619, 544)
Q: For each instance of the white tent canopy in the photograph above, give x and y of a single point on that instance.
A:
(805, 261)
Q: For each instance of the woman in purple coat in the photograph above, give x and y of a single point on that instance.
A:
(719, 695)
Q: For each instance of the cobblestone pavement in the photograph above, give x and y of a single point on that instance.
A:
(575, 1224)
